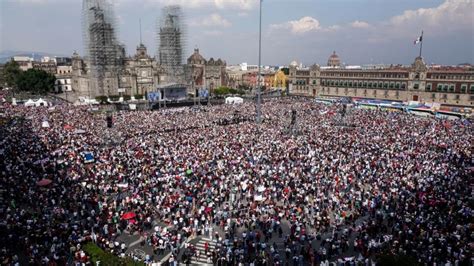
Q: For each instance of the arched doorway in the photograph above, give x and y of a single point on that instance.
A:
(415, 98)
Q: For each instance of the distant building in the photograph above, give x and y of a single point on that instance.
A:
(24, 62)
(63, 79)
(49, 67)
(207, 74)
(418, 82)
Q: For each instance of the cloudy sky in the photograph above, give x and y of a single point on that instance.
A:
(360, 31)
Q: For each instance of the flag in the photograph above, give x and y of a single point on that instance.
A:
(418, 40)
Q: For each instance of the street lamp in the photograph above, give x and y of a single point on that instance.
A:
(259, 111)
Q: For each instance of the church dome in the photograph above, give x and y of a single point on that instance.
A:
(196, 58)
(334, 60)
(294, 63)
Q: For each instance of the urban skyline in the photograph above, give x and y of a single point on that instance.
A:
(361, 32)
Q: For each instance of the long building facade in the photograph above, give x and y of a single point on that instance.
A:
(418, 82)
(142, 73)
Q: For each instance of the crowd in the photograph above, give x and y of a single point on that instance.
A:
(394, 183)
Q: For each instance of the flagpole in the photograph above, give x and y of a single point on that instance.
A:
(259, 111)
(421, 43)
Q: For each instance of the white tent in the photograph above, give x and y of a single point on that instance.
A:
(30, 102)
(234, 100)
(41, 102)
(37, 103)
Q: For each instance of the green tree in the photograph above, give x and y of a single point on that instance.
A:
(11, 72)
(36, 81)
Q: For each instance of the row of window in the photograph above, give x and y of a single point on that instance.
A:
(366, 75)
(364, 92)
(450, 88)
(365, 84)
(452, 77)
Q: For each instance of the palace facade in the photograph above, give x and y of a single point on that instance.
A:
(418, 82)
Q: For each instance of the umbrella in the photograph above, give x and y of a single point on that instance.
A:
(44, 182)
(189, 171)
(132, 221)
(68, 127)
(128, 215)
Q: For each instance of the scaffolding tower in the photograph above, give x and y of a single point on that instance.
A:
(171, 42)
(104, 53)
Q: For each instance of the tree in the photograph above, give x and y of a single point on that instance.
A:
(11, 72)
(36, 81)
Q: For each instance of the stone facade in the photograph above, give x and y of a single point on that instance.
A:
(142, 73)
(208, 74)
(445, 85)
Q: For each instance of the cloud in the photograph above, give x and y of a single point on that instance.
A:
(360, 24)
(214, 20)
(303, 25)
(459, 12)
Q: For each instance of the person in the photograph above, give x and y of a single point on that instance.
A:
(385, 180)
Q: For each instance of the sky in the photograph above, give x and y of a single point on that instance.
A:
(308, 31)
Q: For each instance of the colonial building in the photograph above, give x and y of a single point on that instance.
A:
(142, 73)
(206, 74)
(418, 82)
(138, 75)
(63, 79)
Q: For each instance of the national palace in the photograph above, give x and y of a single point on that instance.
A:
(419, 82)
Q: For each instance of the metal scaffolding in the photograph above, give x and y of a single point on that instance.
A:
(103, 51)
(171, 42)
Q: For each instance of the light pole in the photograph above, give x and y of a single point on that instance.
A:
(259, 111)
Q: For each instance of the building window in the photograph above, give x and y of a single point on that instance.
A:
(445, 96)
(433, 95)
(380, 85)
(370, 84)
(350, 83)
(360, 84)
(365, 84)
(415, 86)
(472, 89)
(445, 88)
(457, 97)
(397, 85)
(428, 87)
(385, 85)
(439, 87)
(463, 88)
(392, 85)
(404, 85)
(451, 88)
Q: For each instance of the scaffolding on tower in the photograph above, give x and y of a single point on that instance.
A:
(103, 51)
(171, 37)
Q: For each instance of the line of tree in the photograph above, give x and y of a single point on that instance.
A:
(32, 80)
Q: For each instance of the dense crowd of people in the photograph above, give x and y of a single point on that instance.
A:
(395, 183)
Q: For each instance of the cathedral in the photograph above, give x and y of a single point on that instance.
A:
(141, 73)
(105, 70)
